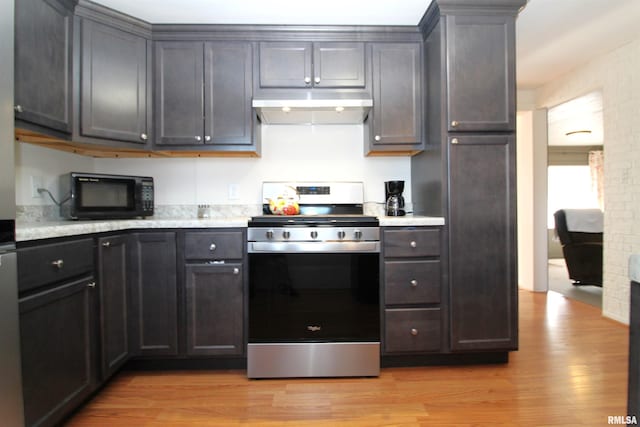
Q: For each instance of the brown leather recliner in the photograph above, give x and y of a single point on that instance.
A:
(581, 246)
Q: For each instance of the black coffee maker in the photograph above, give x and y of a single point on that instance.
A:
(393, 196)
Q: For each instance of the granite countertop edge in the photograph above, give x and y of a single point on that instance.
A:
(634, 268)
(26, 231)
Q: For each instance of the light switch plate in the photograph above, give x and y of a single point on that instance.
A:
(233, 192)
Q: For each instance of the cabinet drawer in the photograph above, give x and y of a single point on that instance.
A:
(411, 282)
(412, 330)
(412, 243)
(52, 263)
(213, 245)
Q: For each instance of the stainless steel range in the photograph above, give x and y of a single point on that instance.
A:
(314, 284)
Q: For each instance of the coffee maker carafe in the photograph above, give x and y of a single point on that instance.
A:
(393, 196)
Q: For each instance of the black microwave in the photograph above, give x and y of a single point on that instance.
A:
(101, 196)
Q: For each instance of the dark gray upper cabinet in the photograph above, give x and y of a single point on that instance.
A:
(215, 315)
(481, 67)
(312, 65)
(113, 287)
(113, 87)
(154, 297)
(482, 236)
(285, 64)
(179, 76)
(228, 91)
(203, 95)
(43, 34)
(395, 121)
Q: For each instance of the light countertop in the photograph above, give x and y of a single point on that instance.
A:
(50, 229)
(634, 268)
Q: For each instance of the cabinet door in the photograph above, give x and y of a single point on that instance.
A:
(57, 358)
(481, 68)
(228, 93)
(114, 302)
(214, 309)
(338, 65)
(113, 84)
(43, 63)
(482, 233)
(154, 296)
(178, 93)
(397, 94)
(285, 64)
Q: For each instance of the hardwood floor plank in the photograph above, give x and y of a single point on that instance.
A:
(570, 370)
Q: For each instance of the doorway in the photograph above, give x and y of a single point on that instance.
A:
(574, 180)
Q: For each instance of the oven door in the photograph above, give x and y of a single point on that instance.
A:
(314, 297)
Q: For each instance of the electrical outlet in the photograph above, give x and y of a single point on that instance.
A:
(36, 182)
(233, 192)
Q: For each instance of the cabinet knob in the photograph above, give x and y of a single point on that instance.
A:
(236, 270)
(414, 283)
(413, 244)
(198, 138)
(454, 141)
(307, 80)
(106, 244)
(414, 332)
(317, 80)
(377, 138)
(144, 136)
(454, 123)
(91, 284)
(18, 108)
(212, 247)
(207, 138)
(58, 263)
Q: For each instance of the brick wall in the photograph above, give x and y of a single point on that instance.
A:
(616, 74)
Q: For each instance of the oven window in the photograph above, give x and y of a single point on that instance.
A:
(314, 297)
(106, 195)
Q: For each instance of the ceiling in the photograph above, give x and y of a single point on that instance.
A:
(577, 122)
(552, 36)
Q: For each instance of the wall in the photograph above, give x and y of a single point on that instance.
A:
(616, 75)
(332, 152)
(532, 195)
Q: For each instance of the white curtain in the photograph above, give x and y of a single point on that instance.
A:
(596, 165)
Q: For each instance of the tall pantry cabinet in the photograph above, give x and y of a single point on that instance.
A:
(467, 172)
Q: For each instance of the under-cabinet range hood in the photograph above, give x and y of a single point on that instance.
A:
(312, 111)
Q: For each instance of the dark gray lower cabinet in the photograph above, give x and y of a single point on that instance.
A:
(482, 239)
(214, 309)
(58, 370)
(113, 287)
(154, 297)
(412, 330)
(412, 290)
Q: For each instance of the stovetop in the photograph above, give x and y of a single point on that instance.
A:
(355, 220)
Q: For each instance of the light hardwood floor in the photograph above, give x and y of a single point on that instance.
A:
(571, 370)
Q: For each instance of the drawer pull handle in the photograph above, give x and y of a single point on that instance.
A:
(414, 332)
(414, 283)
(212, 247)
(236, 270)
(91, 284)
(106, 244)
(58, 264)
(413, 244)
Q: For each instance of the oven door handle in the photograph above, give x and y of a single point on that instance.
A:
(313, 247)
